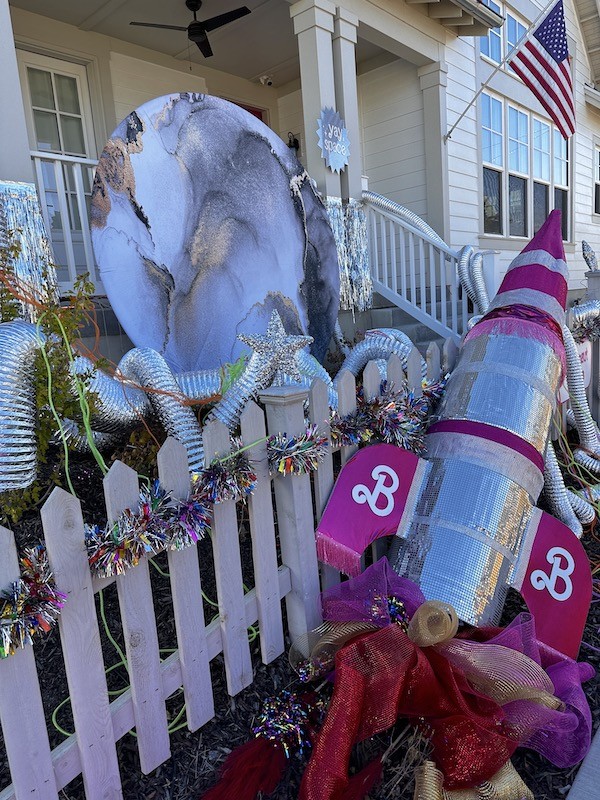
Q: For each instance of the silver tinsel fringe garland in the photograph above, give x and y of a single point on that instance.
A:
(349, 226)
(21, 224)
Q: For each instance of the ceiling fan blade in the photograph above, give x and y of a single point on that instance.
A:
(222, 19)
(156, 25)
(205, 48)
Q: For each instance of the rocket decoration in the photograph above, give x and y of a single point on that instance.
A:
(465, 515)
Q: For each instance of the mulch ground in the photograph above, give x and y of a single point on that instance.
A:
(196, 756)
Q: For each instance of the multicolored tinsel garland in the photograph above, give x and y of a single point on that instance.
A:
(32, 605)
(395, 417)
(589, 329)
(163, 522)
(296, 455)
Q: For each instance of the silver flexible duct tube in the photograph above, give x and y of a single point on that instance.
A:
(19, 343)
(586, 427)
(148, 368)
(587, 461)
(119, 407)
(200, 384)
(555, 492)
(413, 219)
(464, 273)
(380, 343)
(478, 282)
(77, 439)
(591, 493)
(584, 510)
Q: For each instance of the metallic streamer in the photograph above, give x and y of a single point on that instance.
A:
(349, 225)
(20, 215)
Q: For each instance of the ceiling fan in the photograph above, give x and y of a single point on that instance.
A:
(197, 30)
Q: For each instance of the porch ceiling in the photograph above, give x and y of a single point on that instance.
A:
(589, 19)
(262, 43)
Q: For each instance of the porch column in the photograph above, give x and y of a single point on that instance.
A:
(433, 79)
(15, 161)
(313, 25)
(344, 68)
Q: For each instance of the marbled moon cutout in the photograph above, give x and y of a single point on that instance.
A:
(203, 222)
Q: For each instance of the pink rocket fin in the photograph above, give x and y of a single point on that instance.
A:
(555, 581)
(374, 495)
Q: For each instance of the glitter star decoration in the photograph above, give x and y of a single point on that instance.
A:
(277, 347)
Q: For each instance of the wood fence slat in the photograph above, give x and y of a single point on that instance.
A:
(262, 530)
(186, 589)
(413, 372)
(346, 386)
(295, 519)
(67, 764)
(139, 629)
(395, 374)
(432, 357)
(82, 652)
(228, 573)
(449, 356)
(318, 411)
(371, 380)
(21, 710)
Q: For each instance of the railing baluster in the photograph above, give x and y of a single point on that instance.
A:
(384, 257)
(403, 281)
(454, 296)
(85, 223)
(39, 174)
(423, 279)
(443, 288)
(392, 229)
(374, 249)
(432, 284)
(64, 219)
(411, 261)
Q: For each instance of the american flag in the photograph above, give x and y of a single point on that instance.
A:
(543, 64)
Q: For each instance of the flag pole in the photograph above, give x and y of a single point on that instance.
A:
(499, 66)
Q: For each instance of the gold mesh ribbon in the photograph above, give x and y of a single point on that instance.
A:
(506, 784)
(318, 647)
(432, 623)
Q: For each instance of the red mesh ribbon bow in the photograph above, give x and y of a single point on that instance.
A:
(384, 675)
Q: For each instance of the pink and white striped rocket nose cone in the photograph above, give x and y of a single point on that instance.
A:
(486, 451)
(538, 275)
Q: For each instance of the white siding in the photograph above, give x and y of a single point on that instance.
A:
(135, 82)
(391, 105)
(289, 107)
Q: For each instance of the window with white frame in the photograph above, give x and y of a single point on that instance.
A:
(597, 180)
(525, 170)
(500, 42)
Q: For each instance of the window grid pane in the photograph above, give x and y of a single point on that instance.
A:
(491, 113)
(517, 205)
(518, 141)
(492, 201)
(541, 150)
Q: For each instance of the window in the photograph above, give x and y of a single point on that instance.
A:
(525, 170)
(499, 43)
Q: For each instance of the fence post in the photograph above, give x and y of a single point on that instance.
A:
(121, 491)
(186, 590)
(395, 373)
(371, 381)
(432, 357)
(295, 517)
(228, 572)
(449, 356)
(346, 386)
(82, 652)
(413, 372)
(21, 710)
(318, 410)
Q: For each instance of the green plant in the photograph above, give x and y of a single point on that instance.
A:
(59, 323)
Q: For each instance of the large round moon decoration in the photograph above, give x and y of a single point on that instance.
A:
(203, 223)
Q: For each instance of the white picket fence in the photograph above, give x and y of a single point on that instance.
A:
(39, 771)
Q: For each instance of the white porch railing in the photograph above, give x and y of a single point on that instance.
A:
(415, 271)
(64, 187)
